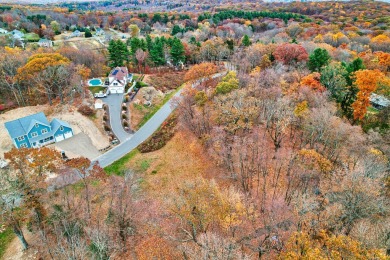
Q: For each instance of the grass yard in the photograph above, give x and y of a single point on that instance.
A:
(31, 37)
(119, 166)
(97, 89)
(5, 239)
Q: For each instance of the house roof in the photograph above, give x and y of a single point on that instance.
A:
(119, 73)
(17, 32)
(22, 125)
(379, 100)
(56, 123)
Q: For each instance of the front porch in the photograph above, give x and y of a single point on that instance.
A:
(43, 142)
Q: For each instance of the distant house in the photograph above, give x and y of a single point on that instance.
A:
(378, 101)
(35, 131)
(3, 31)
(17, 34)
(45, 43)
(117, 80)
(99, 32)
(76, 33)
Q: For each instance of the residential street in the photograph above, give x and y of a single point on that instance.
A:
(114, 102)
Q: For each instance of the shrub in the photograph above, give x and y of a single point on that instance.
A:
(125, 123)
(105, 118)
(159, 139)
(86, 110)
(124, 108)
(107, 127)
(124, 116)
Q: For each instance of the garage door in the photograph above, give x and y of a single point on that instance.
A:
(116, 90)
(59, 138)
(68, 135)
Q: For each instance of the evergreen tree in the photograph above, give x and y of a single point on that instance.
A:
(176, 29)
(177, 51)
(88, 34)
(157, 52)
(149, 42)
(318, 59)
(246, 41)
(118, 53)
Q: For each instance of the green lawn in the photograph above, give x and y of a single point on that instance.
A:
(31, 37)
(5, 239)
(118, 167)
(372, 110)
(95, 90)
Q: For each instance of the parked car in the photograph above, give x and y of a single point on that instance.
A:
(101, 94)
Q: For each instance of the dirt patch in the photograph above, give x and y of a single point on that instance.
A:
(79, 123)
(14, 250)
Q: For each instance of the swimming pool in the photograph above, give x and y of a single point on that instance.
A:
(95, 82)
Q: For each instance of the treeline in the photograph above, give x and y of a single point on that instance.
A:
(230, 14)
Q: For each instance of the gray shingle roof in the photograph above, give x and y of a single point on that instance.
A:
(22, 125)
(379, 100)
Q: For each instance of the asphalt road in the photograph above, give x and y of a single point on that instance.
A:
(114, 102)
(144, 132)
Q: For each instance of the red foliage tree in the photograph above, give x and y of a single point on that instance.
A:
(289, 53)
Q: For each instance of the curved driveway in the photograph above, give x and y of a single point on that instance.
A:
(114, 102)
(144, 132)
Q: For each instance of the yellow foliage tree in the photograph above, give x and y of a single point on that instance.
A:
(324, 246)
(39, 62)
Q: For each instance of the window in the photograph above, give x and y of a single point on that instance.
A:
(24, 145)
(61, 128)
(44, 131)
(115, 84)
(21, 138)
(34, 134)
(36, 125)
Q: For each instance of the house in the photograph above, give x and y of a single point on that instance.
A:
(117, 80)
(99, 32)
(378, 101)
(45, 43)
(35, 131)
(3, 31)
(76, 33)
(17, 34)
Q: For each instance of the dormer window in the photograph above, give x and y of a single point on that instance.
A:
(36, 125)
(61, 128)
(44, 131)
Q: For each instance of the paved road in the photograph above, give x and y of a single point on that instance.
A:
(114, 102)
(144, 132)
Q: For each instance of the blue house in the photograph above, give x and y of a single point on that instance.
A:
(35, 131)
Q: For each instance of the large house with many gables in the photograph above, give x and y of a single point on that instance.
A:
(35, 131)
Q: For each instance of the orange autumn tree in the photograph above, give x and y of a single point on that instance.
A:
(200, 71)
(367, 82)
(313, 81)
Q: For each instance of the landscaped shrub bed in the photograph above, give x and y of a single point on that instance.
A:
(160, 138)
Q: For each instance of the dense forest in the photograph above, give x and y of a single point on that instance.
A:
(276, 149)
